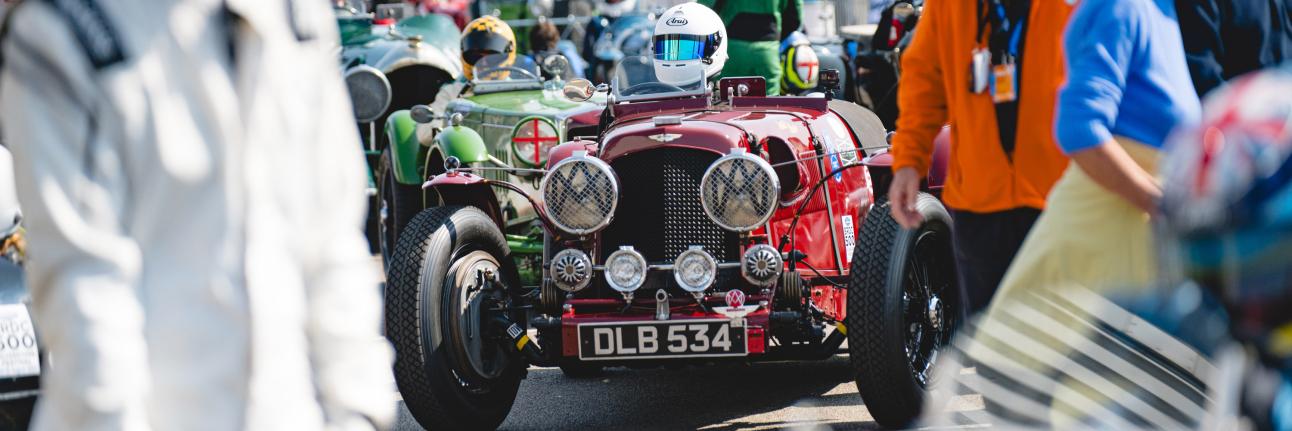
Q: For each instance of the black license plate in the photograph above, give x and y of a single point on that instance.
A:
(656, 340)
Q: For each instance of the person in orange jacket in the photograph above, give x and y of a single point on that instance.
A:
(990, 68)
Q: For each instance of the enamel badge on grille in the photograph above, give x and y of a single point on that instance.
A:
(735, 298)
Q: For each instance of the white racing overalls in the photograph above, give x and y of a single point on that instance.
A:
(193, 187)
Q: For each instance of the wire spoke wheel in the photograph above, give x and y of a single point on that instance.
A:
(928, 320)
(902, 308)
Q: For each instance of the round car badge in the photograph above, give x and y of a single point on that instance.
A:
(735, 298)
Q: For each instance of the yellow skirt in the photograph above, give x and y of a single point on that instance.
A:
(1087, 236)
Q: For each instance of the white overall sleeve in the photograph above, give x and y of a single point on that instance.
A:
(352, 361)
(83, 266)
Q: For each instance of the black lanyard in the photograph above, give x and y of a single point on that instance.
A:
(1008, 25)
(1006, 44)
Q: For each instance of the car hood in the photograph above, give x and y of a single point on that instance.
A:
(531, 102)
(709, 131)
(390, 51)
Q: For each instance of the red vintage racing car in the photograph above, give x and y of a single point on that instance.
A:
(703, 225)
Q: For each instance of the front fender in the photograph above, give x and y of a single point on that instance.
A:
(463, 143)
(401, 132)
(459, 188)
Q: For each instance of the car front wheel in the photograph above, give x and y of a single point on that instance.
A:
(447, 286)
(903, 307)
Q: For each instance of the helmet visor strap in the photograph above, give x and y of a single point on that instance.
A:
(684, 47)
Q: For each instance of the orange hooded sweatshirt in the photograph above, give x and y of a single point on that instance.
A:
(935, 91)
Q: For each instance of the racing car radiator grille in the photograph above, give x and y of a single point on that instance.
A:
(659, 209)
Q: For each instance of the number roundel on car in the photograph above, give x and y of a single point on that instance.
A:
(739, 191)
(580, 194)
(533, 139)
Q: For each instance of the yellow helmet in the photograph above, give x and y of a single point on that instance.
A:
(484, 36)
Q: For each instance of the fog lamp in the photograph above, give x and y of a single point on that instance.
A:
(625, 270)
(571, 270)
(694, 270)
(761, 265)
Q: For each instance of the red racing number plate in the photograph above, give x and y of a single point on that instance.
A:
(659, 340)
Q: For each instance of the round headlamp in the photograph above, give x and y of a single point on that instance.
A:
(369, 92)
(532, 139)
(695, 270)
(740, 191)
(571, 270)
(580, 194)
(761, 265)
(625, 270)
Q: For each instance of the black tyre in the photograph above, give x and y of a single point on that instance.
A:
(454, 369)
(397, 204)
(903, 307)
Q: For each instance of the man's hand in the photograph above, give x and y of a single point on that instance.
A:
(902, 194)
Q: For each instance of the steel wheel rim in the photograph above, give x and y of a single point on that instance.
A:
(484, 356)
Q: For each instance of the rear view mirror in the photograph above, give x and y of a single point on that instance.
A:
(421, 114)
(556, 66)
(579, 89)
(829, 81)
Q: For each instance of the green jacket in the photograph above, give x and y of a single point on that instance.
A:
(755, 29)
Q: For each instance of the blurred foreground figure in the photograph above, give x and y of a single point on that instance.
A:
(194, 200)
(1227, 201)
(1128, 87)
(1211, 352)
(1227, 38)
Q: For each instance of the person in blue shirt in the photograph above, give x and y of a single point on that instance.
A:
(1128, 87)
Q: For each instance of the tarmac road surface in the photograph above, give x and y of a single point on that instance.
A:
(762, 396)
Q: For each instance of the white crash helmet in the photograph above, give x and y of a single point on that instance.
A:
(690, 39)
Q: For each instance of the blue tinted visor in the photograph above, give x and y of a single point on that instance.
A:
(683, 47)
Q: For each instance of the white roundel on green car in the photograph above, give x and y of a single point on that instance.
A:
(532, 139)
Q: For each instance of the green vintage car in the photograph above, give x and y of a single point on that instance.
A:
(503, 123)
(392, 59)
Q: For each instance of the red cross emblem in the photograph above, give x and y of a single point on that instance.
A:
(536, 138)
(811, 65)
